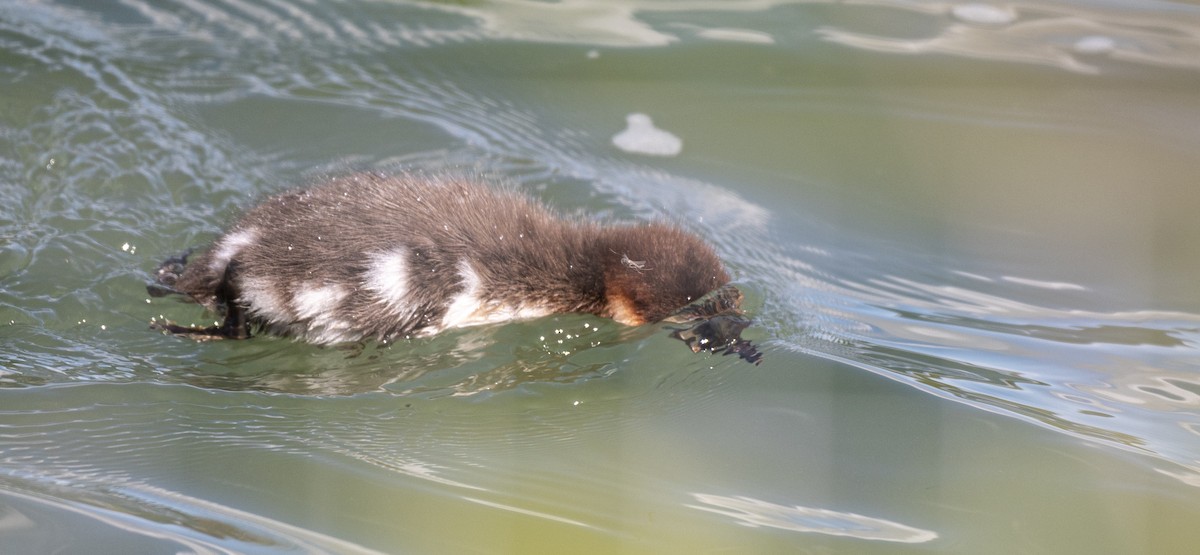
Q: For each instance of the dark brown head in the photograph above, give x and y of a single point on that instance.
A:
(652, 271)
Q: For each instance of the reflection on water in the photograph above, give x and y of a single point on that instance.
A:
(1066, 37)
(464, 363)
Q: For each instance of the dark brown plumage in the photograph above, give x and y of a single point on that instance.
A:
(376, 256)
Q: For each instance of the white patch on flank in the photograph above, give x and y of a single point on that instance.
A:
(388, 277)
(469, 309)
(261, 300)
(314, 302)
(463, 307)
(229, 246)
(317, 304)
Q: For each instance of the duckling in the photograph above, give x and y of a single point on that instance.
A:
(375, 256)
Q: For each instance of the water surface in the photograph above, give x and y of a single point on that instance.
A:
(966, 231)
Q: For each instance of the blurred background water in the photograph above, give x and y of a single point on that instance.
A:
(967, 232)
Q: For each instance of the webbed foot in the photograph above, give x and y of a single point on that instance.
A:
(721, 334)
(196, 333)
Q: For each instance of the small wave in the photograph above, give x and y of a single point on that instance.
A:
(189, 523)
(1069, 38)
(1126, 379)
(754, 512)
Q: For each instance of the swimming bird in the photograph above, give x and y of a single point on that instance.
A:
(378, 256)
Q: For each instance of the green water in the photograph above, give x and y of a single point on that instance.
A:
(966, 232)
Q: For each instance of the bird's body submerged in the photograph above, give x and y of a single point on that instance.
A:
(379, 257)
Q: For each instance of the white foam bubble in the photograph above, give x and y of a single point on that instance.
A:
(737, 35)
(983, 14)
(641, 137)
(1095, 44)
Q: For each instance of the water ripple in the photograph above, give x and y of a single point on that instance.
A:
(120, 154)
(1124, 378)
(754, 512)
(199, 526)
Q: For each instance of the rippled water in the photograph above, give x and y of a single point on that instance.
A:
(967, 233)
